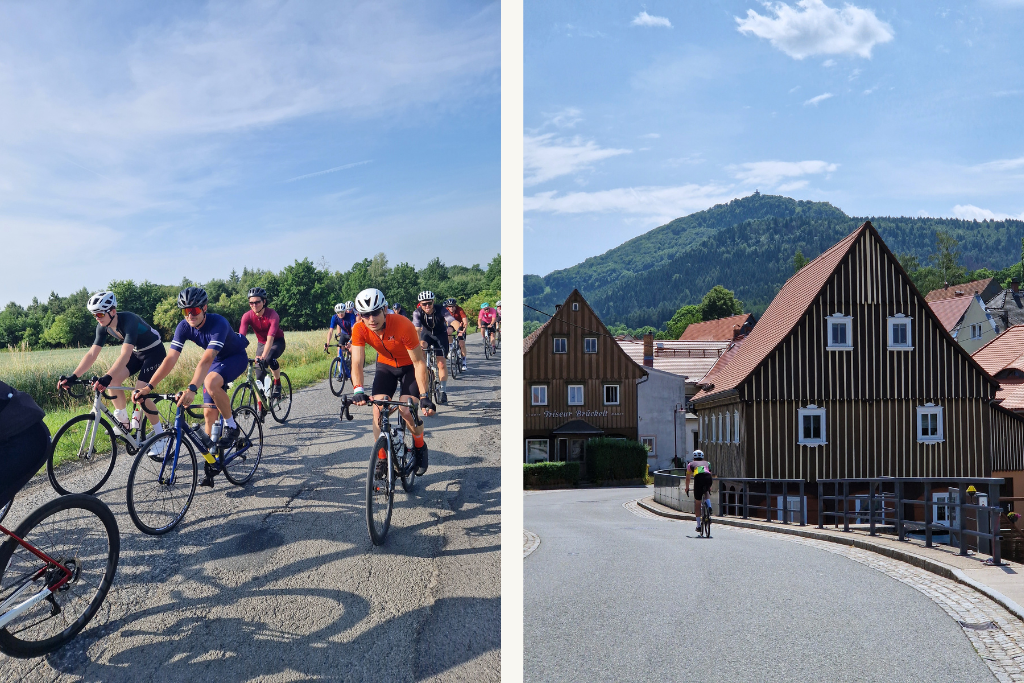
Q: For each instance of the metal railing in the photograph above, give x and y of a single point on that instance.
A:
(740, 500)
(879, 501)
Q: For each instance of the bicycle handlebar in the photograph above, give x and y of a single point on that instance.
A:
(347, 401)
(156, 398)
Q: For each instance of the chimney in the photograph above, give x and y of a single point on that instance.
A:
(648, 350)
(1015, 285)
(557, 306)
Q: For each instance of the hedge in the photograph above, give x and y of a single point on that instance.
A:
(551, 474)
(616, 459)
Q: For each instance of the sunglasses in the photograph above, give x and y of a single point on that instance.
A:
(194, 310)
(373, 314)
(254, 303)
(99, 316)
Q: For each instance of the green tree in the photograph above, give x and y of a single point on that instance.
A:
(683, 318)
(719, 302)
(909, 262)
(232, 307)
(433, 275)
(946, 259)
(377, 271)
(402, 286)
(533, 285)
(799, 261)
(494, 271)
(167, 316)
(75, 326)
(304, 297)
(357, 280)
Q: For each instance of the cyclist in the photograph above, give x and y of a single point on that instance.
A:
(400, 364)
(142, 351)
(400, 309)
(432, 327)
(24, 441)
(486, 319)
(702, 479)
(497, 323)
(224, 358)
(341, 324)
(266, 323)
(459, 323)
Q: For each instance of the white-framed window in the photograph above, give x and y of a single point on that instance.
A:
(929, 423)
(839, 332)
(561, 345)
(789, 507)
(976, 331)
(611, 394)
(536, 451)
(590, 344)
(575, 394)
(811, 426)
(575, 306)
(736, 426)
(539, 395)
(649, 443)
(900, 338)
(944, 512)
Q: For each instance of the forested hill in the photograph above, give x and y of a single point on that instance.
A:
(747, 246)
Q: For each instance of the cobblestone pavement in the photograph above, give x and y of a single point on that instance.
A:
(997, 635)
(530, 542)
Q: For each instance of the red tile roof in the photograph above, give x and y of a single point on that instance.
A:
(690, 358)
(950, 311)
(785, 311)
(1005, 351)
(966, 289)
(723, 329)
(1011, 396)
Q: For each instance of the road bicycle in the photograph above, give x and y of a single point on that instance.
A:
(489, 350)
(5, 509)
(161, 485)
(454, 358)
(55, 570)
(705, 515)
(433, 375)
(84, 449)
(256, 394)
(341, 370)
(391, 458)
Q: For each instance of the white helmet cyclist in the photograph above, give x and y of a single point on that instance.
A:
(350, 306)
(698, 455)
(339, 308)
(497, 303)
(370, 300)
(102, 302)
(425, 296)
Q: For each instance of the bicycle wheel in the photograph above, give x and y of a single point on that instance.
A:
(487, 348)
(437, 390)
(5, 509)
(157, 501)
(337, 377)
(705, 519)
(379, 495)
(241, 460)
(280, 407)
(453, 363)
(79, 532)
(403, 457)
(243, 395)
(82, 455)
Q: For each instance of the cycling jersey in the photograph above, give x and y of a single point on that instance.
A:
(269, 323)
(433, 328)
(398, 337)
(346, 320)
(698, 469)
(458, 314)
(215, 333)
(487, 316)
(130, 329)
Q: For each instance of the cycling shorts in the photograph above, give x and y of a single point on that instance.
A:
(387, 378)
(343, 338)
(701, 484)
(22, 456)
(276, 349)
(229, 369)
(146, 363)
(440, 346)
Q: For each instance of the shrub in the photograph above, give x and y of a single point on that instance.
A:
(616, 459)
(551, 474)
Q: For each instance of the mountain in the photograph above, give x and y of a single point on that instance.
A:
(747, 246)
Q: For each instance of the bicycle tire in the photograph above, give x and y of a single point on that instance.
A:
(453, 363)
(239, 468)
(243, 395)
(91, 471)
(155, 506)
(54, 534)
(280, 407)
(336, 379)
(379, 497)
(403, 458)
(5, 509)
(487, 348)
(705, 519)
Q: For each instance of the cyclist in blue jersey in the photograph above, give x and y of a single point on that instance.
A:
(223, 360)
(341, 323)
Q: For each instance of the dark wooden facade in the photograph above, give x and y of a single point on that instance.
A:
(870, 393)
(575, 321)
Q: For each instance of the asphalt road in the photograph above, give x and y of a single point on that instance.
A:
(610, 596)
(278, 580)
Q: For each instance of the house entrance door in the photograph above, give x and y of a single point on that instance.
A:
(577, 453)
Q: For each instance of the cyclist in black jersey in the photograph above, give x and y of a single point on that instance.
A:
(142, 351)
(432, 326)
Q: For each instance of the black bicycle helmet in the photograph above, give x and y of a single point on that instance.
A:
(258, 291)
(192, 296)
(449, 302)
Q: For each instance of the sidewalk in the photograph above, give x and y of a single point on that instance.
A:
(1004, 584)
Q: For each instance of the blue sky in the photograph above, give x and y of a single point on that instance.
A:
(638, 113)
(163, 140)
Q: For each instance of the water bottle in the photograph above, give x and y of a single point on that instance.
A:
(136, 419)
(267, 382)
(215, 433)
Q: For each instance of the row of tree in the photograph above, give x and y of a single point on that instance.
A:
(304, 294)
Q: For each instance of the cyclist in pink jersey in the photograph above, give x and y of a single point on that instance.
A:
(486, 320)
(266, 323)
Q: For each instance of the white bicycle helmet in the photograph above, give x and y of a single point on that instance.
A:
(339, 308)
(102, 302)
(497, 304)
(370, 300)
(350, 306)
(425, 296)
(698, 455)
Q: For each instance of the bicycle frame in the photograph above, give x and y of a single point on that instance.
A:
(7, 617)
(180, 432)
(98, 409)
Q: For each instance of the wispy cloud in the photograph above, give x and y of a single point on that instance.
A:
(1001, 165)
(970, 212)
(816, 29)
(828, 63)
(329, 170)
(546, 157)
(663, 203)
(565, 118)
(645, 19)
(819, 98)
(769, 173)
(651, 136)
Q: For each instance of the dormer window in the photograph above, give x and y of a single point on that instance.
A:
(900, 338)
(839, 332)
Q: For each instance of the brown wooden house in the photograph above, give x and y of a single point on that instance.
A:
(578, 384)
(850, 374)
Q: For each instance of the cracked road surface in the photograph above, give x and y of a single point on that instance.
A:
(278, 581)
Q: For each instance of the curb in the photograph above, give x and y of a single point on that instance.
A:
(928, 564)
(530, 542)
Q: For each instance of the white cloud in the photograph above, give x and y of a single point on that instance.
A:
(329, 170)
(769, 173)
(854, 75)
(663, 203)
(970, 212)
(1001, 165)
(645, 19)
(819, 98)
(566, 118)
(790, 187)
(651, 136)
(546, 157)
(828, 63)
(818, 29)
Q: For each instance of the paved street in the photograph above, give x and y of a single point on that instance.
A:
(615, 595)
(278, 580)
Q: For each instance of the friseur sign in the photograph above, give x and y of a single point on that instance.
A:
(574, 413)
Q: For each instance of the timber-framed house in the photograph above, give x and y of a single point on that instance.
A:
(850, 374)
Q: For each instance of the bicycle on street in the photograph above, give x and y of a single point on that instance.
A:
(433, 383)
(705, 515)
(390, 459)
(454, 358)
(256, 394)
(55, 570)
(161, 485)
(341, 370)
(489, 350)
